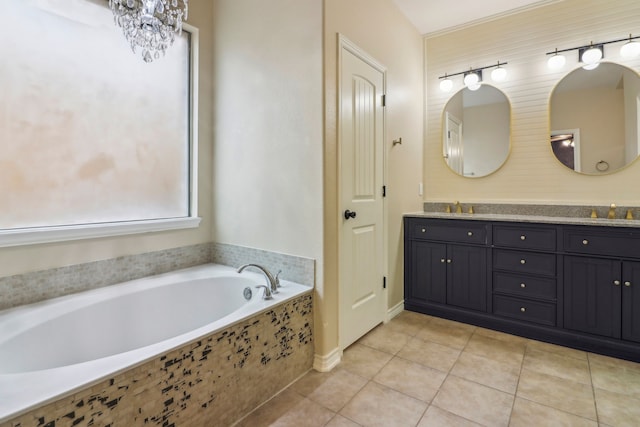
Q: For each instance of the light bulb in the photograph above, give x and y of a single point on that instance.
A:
(499, 74)
(590, 66)
(592, 55)
(474, 86)
(556, 61)
(446, 84)
(471, 78)
(631, 49)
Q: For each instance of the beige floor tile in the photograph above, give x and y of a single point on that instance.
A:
(556, 364)
(496, 335)
(436, 417)
(272, 410)
(411, 378)
(474, 402)
(556, 349)
(530, 414)
(376, 405)
(429, 354)
(409, 322)
(617, 409)
(559, 393)
(493, 373)
(446, 332)
(364, 361)
(491, 348)
(616, 375)
(331, 389)
(340, 421)
(385, 338)
(306, 413)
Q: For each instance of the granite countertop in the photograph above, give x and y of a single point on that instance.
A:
(511, 217)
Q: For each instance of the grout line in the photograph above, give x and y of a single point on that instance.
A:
(593, 389)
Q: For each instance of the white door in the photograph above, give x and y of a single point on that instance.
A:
(454, 153)
(361, 246)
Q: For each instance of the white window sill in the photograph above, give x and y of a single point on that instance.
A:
(31, 236)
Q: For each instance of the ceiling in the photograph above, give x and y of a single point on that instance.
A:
(433, 16)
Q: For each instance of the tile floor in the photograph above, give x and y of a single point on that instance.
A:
(419, 370)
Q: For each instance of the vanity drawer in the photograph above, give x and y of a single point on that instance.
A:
(467, 232)
(524, 286)
(520, 237)
(524, 262)
(602, 242)
(523, 309)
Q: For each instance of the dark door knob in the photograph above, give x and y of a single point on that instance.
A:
(348, 214)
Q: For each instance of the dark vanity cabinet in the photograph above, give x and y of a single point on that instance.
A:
(448, 264)
(567, 284)
(602, 293)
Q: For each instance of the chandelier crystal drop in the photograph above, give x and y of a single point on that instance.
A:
(150, 25)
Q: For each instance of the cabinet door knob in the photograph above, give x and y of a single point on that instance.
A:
(627, 284)
(442, 260)
(523, 237)
(616, 282)
(469, 233)
(585, 242)
(523, 261)
(448, 261)
(522, 285)
(522, 309)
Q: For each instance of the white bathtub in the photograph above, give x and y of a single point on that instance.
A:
(51, 349)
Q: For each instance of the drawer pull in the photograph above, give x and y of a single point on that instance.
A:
(627, 284)
(616, 282)
(585, 242)
(469, 233)
(523, 237)
(522, 285)
(424, 230)
(522, 309)
(523, 261)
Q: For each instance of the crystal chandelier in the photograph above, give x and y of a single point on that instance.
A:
(151, 25)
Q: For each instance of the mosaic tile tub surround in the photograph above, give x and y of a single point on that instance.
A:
(213, 381)
(37, 286)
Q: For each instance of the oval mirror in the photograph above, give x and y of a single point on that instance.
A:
(476, 131)
(593, 115)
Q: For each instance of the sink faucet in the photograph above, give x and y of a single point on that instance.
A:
(458, 207)
(272, 282)
(612, 211)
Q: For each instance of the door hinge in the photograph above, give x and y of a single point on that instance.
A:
(384, 100)
(384, 191)
(384, 282)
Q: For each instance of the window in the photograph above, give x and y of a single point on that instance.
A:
(93, 140)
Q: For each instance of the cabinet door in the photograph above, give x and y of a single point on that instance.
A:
(467, 277)
(428, 272)
(631, 301)
(592, 292)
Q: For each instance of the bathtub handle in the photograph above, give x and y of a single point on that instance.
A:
(277, 278)
(267, 292)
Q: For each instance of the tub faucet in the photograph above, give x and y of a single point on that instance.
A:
(272, 282)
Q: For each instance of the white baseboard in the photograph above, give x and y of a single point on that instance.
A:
(395, 310)
(325, 363)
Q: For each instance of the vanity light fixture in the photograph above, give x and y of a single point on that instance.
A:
(630, 49)
(591, 55)
(473, 77)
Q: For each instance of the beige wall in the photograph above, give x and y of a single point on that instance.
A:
(531, 173)
(267, 160)
(377, 27)
(22, 259)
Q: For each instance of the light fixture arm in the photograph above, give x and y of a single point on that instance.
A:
(592, 44)
(472, 70)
